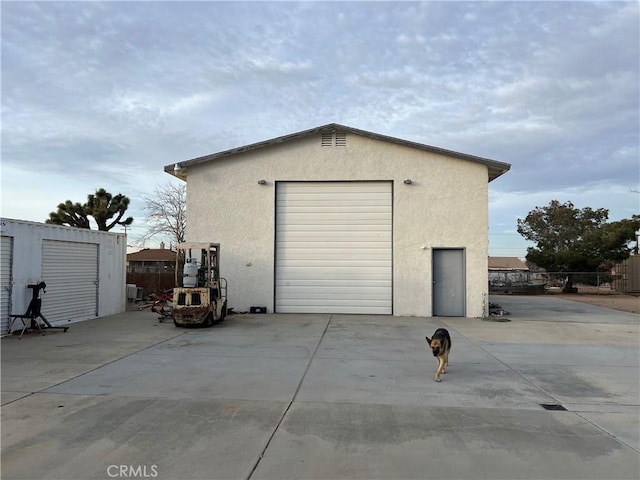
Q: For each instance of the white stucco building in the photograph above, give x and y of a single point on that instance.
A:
(340, 220)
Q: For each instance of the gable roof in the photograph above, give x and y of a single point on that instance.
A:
(152, 255)
(495, 168)
(507, 263)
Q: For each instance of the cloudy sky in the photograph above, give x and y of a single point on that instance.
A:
(105, 94)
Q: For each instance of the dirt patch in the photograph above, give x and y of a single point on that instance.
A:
(604, 298)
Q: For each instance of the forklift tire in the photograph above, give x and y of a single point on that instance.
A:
(208, 320)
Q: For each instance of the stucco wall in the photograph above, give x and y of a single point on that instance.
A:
(445, 206)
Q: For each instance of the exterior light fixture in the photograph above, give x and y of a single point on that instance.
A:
(177, 168)
(262, 182)
(408, 181)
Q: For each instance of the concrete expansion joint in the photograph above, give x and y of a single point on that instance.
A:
(109, 363)
(509, 367)
(29, 394)
(542, 388)
(635, 448)
(293, 399)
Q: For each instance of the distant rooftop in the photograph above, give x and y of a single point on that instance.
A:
(507, 263)
(152, 255)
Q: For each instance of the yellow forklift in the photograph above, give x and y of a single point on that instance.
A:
(200, 295)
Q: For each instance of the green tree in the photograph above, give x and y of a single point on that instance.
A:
(102, 206)
(69, 213)
(569, 239)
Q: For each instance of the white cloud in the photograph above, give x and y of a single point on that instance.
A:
(551, 87)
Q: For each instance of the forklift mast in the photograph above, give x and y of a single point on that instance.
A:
(198, 265)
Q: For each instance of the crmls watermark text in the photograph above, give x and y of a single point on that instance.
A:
(132, 471)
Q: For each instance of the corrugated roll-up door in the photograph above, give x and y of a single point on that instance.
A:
(6, 260)
(70, 270)
(334, 247)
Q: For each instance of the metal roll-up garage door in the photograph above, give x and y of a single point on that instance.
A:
(334, 247)
(6, 258)
(70, 270)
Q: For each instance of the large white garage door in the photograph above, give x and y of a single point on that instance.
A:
(6, 256)
(70, 270)
(334, 247)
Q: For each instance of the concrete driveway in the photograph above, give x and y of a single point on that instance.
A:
(327, 397)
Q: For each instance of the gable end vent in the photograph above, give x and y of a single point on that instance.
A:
(331, 139)
(327, 139)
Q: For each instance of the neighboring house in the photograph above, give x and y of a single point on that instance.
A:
(84, 271)
(151, 260)
(507, 264)
(340, 220)
(151, 270)
(507, 271)
(511, 275)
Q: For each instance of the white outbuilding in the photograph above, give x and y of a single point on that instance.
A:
(340, 220)
(84, 271)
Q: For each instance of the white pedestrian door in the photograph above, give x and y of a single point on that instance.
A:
(70, 270)
(6, 261)
(333, 247)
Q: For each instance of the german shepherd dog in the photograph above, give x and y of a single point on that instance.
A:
(440, 345)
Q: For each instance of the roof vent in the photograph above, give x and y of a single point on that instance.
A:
(333, 139)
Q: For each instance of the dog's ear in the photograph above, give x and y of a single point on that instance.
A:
(428, 340)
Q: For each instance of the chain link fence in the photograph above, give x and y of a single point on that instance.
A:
(532, 282)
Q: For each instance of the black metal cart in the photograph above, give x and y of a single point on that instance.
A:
(34, 313)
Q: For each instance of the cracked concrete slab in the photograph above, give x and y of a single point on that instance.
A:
(89, 437)
(192, 376)
(412, 383)
(325, 396)
(346, 440)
